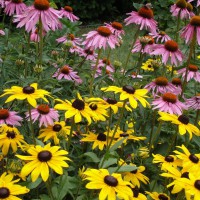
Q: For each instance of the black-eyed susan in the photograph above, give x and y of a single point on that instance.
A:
(8, 188)
(130, 93)
(10, 137)
(158, 196)
(148, 66)
(77, 109)
(182, 121)
(31, 93)
(167, 161)
(43, 158)
(143, 152)
(110, 185)
(56, 131)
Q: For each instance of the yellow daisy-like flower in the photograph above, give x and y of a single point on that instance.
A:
(8, 188)
(182, 122)
(110, 185)
(169, 69)
(43, 158)
(10, 137)
(158, 196)
(77, 109)
(147, 66)
(167, 161)
(31, 93)
(143, 152)
(59, 129)
(130, 93)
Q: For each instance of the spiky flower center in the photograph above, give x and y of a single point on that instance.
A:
(135, 191)
(78, 104)
(176, 81)
(44, 156)
(184, 119)
(41, 4)
(134, 73)
(117, 25)
(107, 71)
(189, 7)
(129, 89)
(57, 127)
(10, 134)
(111, 181)
(28, 90)
(4, 192)
(104, 31)
(89, 51)
(93, 106)
(171, 45)
(16, 1)
(163, 197)
(145, 12)
(101, 137)
(195, 21)
(194, 158)
(181, 4)
(124, 135)
(169, 97)
(65, 70)
(197, 184)
(162, 33)
(71, 36)
(4, 114)
(106, 61)
(185, 175)
(111, 101)
(193, 68)
(43, 109)
(169, 159)
(68, 9)
(146, 40)
(161, 81)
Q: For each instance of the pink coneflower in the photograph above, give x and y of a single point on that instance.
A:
(67, 72)
(9, 117)
(193, 73)
(194, 102)
(76, 49)
(160, 85)
(198, 2)
(116, 28)
(44, 114)
(89, 54)
(104, 63)
(35, 37)
(14, 7)
(168, 51)
(40, 10)
(188, 31)
(135, 75)
(67, 12)
(161, 35)
(178, 84)
(100, 38)
(101, 72)
(2, 3)
(69, 37)
(2, 32)
(144, 18)
(169, 102)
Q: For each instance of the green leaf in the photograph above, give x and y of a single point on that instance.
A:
(117, 145)
(44, 197)
(109, 162)
(93, 156)
(126, 168)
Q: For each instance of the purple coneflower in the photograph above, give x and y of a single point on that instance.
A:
(193, 73)
(2, 32)
(178, 84)
(194, 102)
(35, 37)
(104, 63)
(168, 51)
(9, 117)
(40, 10)
(161, 35)
(89, 54)
(99, 72)
(69, 37)
(44, 114)
(135, 75)
(144, 18)
(169, 102)
(198, 2)
(3, 3)
(14, 7)
(75, 49)
(67, 12)
(116, 28)
(100, 38)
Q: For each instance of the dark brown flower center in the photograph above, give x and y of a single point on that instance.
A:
(197, 184)
(176, 81)
(41, 4)
(163, 197)
(117, 25)
(65, 70)
(111, 101)
(193, 68)
(68, 9)
(111, 181)
(171, 45)
(169, 159)
(134, 73)
(129, 89)
(169, 97)
(124, 135)
(181, 4)
(28, 90)
(78, 104)
(57, 127)
(11, 134)
(145, 12)
(104, 31)
(134, 171)
(107, 71)
(101, 137)
(43, 109)
(106, 61)
(161, 81)
(93, 106)
(194, 158)
(135, 191)
(149, 66)
(44, 156)
(16, 1)
(89, 51)
(185, 175)
(71, 36)
(189, 7)
(4, 114)
(4, 192)
(195, 21)
(184, 119)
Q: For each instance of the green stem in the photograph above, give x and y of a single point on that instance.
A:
(197, 117)
(172, 141)
(152, 128)
(41, 41)
(31, 124)
(48, 186)
(70, 135)
(109, 123)
(140, 62)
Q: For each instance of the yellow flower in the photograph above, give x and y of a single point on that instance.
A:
(77, 109)
(143, 152)
(31, 93)
(57, 130)
(147, 66)
(43, 158)
(110, 185)
(10, 137)
(182, 122)
(8, 188)
(169, 69)
(158, 196)
(130, 93)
